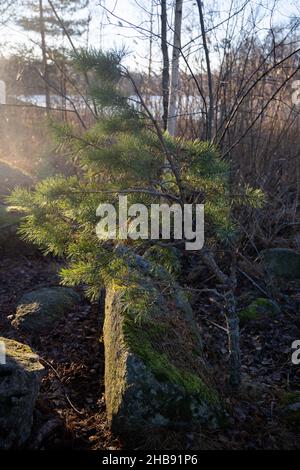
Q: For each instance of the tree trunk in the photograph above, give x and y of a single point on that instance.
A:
(150, 44)
(44, 55)
(172, 122)
(210, 112)
(166, 63)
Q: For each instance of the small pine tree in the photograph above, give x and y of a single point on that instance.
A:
(123, 152)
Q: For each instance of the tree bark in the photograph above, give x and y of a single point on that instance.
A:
(166, 63)
(44, 55)
(150, 43)
(210, 112)
(172, 121)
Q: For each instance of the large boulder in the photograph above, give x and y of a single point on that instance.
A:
(282, 263)
(20, 378)
(39, 310)
(10, 177)
(290, 408)
(154, 371)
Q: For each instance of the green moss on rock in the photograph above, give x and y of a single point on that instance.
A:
(147, 342)
(154, 371)
(259, 308)
(289, 398)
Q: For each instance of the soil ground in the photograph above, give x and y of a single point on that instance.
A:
(70, 412)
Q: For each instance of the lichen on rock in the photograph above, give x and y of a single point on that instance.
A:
(19, 386)
(40, 309)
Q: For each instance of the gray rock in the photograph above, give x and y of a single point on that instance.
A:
(20, 379)
(154, 371)
(290, 409)
(250, 388)
(294, 407)
(40, 310)
(7, 217)
(8, 225)
(282, 263)
(259, 308)
(11, 177)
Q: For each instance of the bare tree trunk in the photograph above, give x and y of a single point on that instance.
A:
(210, 112)
(172, 122)
(44, 55)
(166, 63)
(150, 43)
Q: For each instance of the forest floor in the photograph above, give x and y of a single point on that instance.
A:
(70, 412)
(257, 416)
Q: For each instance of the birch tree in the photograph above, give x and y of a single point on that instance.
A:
(166, 63)
(44, 54)
(172, 118)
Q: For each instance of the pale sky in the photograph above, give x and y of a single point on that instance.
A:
(117, 31)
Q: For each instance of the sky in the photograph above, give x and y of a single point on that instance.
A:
(116, 17)
(117, 25)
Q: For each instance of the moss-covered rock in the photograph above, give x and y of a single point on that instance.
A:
(154, 370)
(282, 263)
(20, 377)
(290, 408)
(258, 309)
(40, 310)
